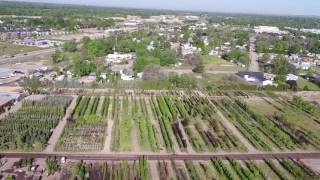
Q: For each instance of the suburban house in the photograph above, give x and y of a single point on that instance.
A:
(187, 49)
(122, 64)
(127, 74)
(303, 65)
(257, 78)
(291, 77)
(118, 58)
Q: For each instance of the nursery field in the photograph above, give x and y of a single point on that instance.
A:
(235, 169)
(174, 122)
(274, 123)
(85, 129)
(192, 120)
(279, 169)
(166, 123)
(31, 126)
(139, 169)
(133, 125)
(171, 123)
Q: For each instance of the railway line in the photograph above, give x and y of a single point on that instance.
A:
(119, 157)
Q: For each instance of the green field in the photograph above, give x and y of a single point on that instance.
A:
(12, 49)
(214, 63)
(305, 83)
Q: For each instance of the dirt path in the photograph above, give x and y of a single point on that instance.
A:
(314, 164)
(180, 164)
(254, 65)
(184, 134)
(59, 129)
(234, 130)
(107, 142)
(154, 170)
(172, 174)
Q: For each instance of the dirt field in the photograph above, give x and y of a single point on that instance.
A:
(12, 49)
(307, 95)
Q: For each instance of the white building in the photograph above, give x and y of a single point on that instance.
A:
(291, 77)
(150, 47)
(267, 83)
(268, 30)
(187, 49)
(118, 58)
(61, 77)
(303, 65)
(269, 76)
(257, 78)
(315, 31)
(192, 18)
(127, 74)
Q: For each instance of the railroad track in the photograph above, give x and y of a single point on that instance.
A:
(119, 157)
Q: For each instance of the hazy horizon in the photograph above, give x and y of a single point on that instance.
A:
(270, 7)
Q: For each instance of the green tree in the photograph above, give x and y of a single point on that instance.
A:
(309, 73)
(281, 81)
(315, 48)
(10, 177)
(31, 85)
(167, 57)
(279, 47)
(216, 42)
(52, 164)
(199, 68)
(104, 168)
(294, 49)
(143, 61)
(82, 68)
(265, 58)
(56, 57)
(70, 46)
(183, 81)
(261, 47)
(281, 65)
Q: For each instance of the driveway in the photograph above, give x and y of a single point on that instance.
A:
(254, 65)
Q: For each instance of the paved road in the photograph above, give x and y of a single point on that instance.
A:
(29, 55)
(118, 157)
(254, 66)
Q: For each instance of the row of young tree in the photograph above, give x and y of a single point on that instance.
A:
(31, 126)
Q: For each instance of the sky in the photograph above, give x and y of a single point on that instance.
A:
(280, 7)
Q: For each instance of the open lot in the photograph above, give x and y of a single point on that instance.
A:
(13, 49)
(302, 83)
(213, 63)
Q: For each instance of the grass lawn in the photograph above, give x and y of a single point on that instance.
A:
(311, 86)
(12, 49)
(263, 107)
(214, 63)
